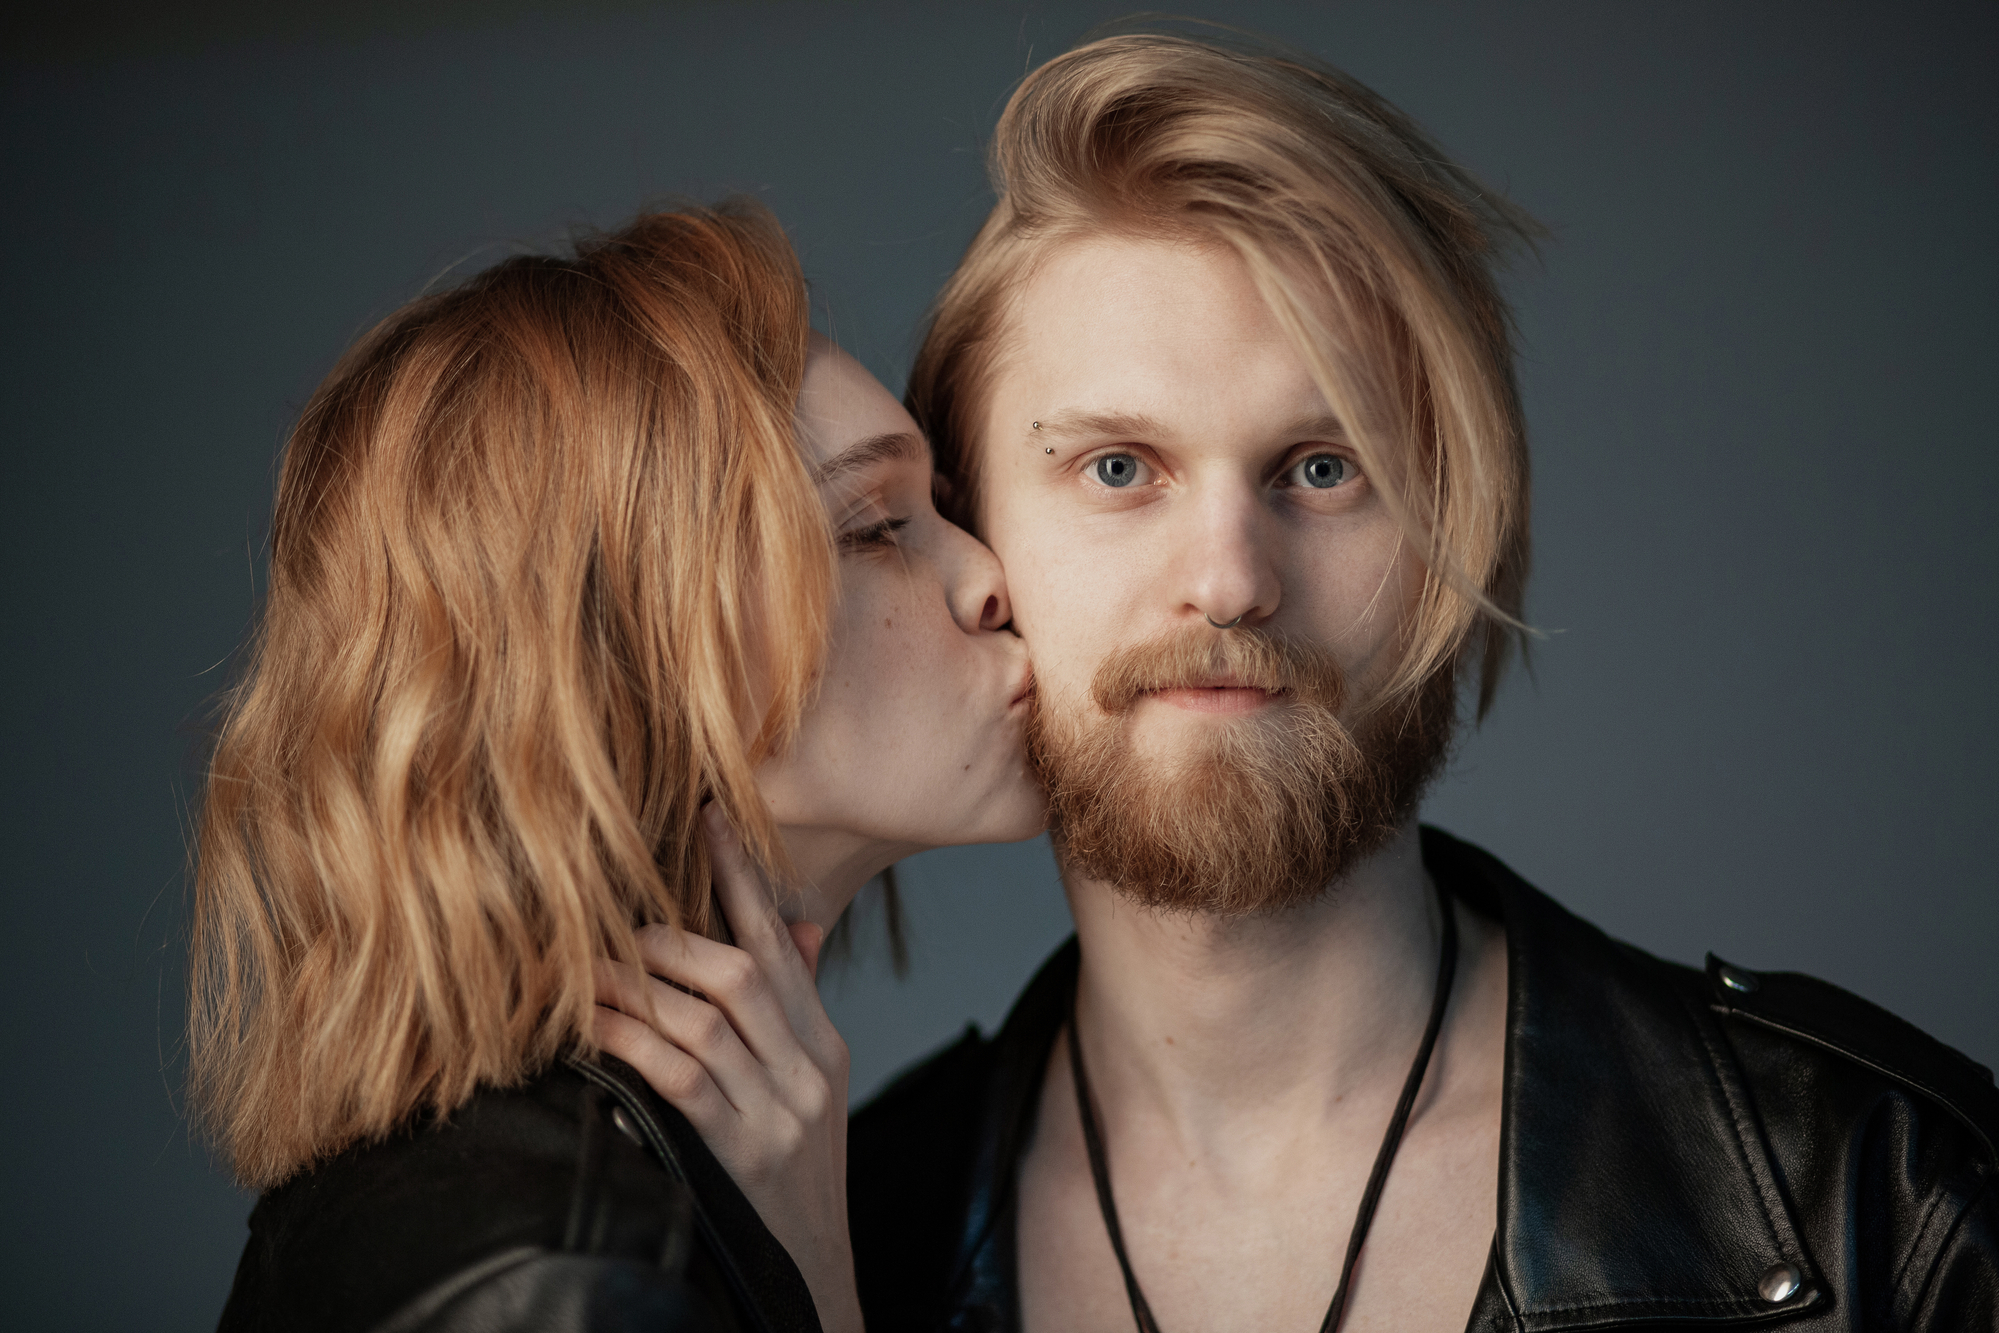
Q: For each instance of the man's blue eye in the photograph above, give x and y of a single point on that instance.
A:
(1117, 469)
(1324, 471)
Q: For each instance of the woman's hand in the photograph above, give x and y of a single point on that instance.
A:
(752, 1061)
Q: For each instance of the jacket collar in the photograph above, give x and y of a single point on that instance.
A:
(771, 1293)
(1634, 1183)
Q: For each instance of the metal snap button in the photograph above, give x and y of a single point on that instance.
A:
(625, 1125)
(1736, 979)
(1780, 1283)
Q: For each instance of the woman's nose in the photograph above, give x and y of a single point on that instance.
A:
(974, 584)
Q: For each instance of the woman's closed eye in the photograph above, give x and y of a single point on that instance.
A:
(874, 536)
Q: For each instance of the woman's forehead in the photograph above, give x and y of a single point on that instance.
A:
(841, 404)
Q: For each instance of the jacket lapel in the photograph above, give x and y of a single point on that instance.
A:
(1634, 1184)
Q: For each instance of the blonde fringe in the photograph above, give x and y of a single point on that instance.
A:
(530, 537)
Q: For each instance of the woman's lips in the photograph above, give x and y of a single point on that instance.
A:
(1026, 688)
(1215, 698)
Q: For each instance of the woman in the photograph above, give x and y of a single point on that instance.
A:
(601, 595)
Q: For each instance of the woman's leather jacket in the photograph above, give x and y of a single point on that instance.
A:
(578, 1202)
(1678, 1148)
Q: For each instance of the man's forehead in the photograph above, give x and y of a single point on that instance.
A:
(1149, 341)
(1110, 278)
(1128, 318)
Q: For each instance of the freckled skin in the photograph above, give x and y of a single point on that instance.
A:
(914, 737)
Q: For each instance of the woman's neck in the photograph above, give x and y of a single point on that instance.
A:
(829, 867)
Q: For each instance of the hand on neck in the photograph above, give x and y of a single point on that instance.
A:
(1207, 1019)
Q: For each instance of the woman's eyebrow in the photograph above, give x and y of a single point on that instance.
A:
(897, 445)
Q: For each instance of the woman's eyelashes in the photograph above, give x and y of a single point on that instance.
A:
(874, 536)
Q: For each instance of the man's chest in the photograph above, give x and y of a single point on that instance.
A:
(1212, 1258)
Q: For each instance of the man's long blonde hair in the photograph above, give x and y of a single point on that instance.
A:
(1374, 251)
(547, 572)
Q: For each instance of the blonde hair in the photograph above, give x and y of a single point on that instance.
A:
(547, 572)
(1373, 250)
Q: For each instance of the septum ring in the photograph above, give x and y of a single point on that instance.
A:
(1219, 625)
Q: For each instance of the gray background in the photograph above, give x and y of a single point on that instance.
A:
(1758, 358)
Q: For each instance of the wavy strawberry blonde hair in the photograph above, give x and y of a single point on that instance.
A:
(547, 571)
(1375, 252)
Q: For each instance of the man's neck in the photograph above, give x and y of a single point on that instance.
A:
(1209, 1022)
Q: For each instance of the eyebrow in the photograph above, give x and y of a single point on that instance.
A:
(1137, 426)
(900, 446)
(1068, 423)
(1316, 427)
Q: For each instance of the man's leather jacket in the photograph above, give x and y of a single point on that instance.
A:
(1678, 1149)
(580, 1203)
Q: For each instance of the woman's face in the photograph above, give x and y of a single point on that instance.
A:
(914, 737)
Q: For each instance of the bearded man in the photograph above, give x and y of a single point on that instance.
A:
(1226, 382)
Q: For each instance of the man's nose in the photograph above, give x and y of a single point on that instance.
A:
(1225, 558)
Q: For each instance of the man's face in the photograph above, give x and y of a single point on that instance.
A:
(1196, 475)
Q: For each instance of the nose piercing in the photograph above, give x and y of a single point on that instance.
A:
(1219, 625)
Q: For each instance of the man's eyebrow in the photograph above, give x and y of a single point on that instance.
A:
(1319, 427)
(1067, 423)
(1137, 426)
(895, 445)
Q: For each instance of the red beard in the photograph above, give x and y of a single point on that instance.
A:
(1263, 813)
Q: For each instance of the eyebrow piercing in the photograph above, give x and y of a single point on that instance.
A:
(1047, 451)
(1037, 425)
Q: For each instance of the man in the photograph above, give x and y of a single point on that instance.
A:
(1225, 381)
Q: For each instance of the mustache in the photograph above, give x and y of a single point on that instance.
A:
(1194, 657)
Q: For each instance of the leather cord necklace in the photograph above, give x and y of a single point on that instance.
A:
(1100, 1171)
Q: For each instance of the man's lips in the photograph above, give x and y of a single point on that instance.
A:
(1229, 697)
(1026, 688)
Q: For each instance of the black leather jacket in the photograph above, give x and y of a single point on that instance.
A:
(1671, 1141)
(579, 1202)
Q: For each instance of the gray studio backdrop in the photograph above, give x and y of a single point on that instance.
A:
(1758, 360)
